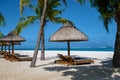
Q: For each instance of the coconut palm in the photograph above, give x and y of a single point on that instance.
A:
(44, 14)
(110, 10)
(2, 21)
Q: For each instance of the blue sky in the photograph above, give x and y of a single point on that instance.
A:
(84, 18)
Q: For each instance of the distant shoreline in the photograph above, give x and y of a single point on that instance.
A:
(72, 49)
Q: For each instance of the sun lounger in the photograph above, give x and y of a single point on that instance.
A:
(3, 52)
(71, 61)
(24, 59)
(13, 58)
(62, 59)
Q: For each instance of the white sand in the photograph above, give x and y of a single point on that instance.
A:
(47, 70)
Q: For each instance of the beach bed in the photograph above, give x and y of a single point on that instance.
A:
(72, 61)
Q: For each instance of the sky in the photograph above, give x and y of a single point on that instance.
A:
(84, 17)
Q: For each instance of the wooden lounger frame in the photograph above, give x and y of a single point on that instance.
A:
(71, 61)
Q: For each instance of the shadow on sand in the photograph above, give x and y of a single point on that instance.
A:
(92, 72)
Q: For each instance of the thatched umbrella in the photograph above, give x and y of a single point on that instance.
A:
(13, 38)
(1, 44)
(68, 33)
(4, 44)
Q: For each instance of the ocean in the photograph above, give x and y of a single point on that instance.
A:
(73, 49)
(63, 47)
(74, 46)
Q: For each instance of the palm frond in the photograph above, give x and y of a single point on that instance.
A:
(2, 20)
(105, 21)
(34, 8)
(41, 3)
(52, 12)
(24, 23)
(81, 1)
(58, 20)
(64, 1)
(54, 3)
(56, 12)
(107, 10)
(23, 3)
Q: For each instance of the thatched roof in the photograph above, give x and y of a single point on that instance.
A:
(6, 43)
(1, 36)
(12, 37)
(68, 33)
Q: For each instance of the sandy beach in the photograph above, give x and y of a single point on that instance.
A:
(101, 69)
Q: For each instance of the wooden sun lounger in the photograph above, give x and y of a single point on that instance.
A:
(12, 58)
(62, 59)
(24, 59)
(71, 61)
(3, 52)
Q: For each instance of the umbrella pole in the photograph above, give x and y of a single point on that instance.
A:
(5, 48)
(9, 49)
(1, 48)
(12, 47)
(68, 48)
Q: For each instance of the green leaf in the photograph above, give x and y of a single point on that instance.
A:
(24, 22)
(2, 20)
(81, 1)
(23, 3)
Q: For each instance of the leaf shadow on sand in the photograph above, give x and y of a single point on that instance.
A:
(45, 64)
(92, 72)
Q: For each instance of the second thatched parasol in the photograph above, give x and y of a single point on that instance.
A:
(1, 36)
(13, 38)
(68, 33)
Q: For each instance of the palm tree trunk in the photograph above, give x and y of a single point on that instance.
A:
(116, 56)
(39, 35)
(43, 42)
(42, 48)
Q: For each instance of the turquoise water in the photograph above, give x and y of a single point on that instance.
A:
(63, 47)
(74, 46)
(73, 49)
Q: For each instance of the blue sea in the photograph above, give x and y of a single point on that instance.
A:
(63, 47)
(73, 49)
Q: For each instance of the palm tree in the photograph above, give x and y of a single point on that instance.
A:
(110, 10)
(44, 14)
(2, 21)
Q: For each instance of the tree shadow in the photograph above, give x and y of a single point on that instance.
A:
(89, 72)
(51, 63)
(107, 63)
